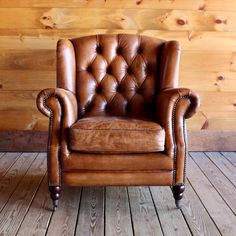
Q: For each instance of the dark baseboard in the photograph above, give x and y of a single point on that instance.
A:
(36, 141)
(211, 140)
(23, 141)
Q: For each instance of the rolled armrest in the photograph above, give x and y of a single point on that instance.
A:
(167, 99)
(60, 106)
(66, 99)
(173, 106)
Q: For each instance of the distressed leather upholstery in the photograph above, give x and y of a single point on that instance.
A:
(117, 116)
(116, 135)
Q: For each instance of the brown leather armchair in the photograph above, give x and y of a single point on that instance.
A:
(117, 116)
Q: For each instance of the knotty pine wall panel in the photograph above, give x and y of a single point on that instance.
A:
(206, 29)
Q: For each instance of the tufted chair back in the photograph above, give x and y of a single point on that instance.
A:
(117, 75)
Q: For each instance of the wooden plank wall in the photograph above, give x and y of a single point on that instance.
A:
(206, 29)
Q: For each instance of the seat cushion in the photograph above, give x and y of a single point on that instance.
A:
(116, 135)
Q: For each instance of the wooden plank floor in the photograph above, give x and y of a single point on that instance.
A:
(209, 204)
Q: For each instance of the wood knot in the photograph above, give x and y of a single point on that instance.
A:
(48, 27)
(220, 77)
(202, 7)
(139, 2)
(218, 21)
(180, 22)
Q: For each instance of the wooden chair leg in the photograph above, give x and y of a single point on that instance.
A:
(55, 195)
(178, 192)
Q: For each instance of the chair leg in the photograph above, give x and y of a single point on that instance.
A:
(178, 192)
(55, 195)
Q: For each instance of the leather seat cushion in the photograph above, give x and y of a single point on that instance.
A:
(116, 135)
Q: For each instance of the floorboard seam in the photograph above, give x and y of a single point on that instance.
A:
(227, 204)
(130, 212)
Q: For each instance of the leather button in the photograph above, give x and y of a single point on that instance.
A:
(148, 70)
(139, 90)
(109, 70)
(140, 50)
(127, 108)
(118, 50)
(89, 69)
(118, 89)
(99, 50)
(99, 89)
(107, 108)
(129, 70)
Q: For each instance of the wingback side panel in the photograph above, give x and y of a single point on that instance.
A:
(169, 68)
(117, 75)
(66, 65)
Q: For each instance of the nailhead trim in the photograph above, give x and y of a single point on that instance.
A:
(50, 137)
(175, 151)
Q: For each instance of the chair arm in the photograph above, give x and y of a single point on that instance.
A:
(66, 99)
(60, 106)
(173, 106)
(168, 98)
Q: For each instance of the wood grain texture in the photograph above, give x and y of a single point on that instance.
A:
(208, 81)
(91, 213)
(28, 211)
(38, 217)
(227, 168)
(26, 39)
(171, 218)
(117, 213)
(231, 156)
(28, 60)
(63, 221)
(26, 80)
(145, 220)
(23, 140)
(199, 222)
(13, 176)
(212, 140)
(161, 19)
(153, 4)
(45, 60)
(213, 202)
(14, 211)
(6, 161)
(223, 186)
(26, 120)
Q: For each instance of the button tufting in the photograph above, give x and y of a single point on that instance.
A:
(89, 69)
(118, 89)
(139, 90)
(148, 70)
(99, 49)
(129, 70)
(127, 108)
(99, 89)
(107, 107)
(118, 50)
(140, 50)
(108, 70)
